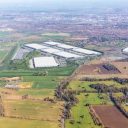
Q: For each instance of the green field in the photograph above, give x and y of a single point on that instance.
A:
(59, 71)
(81, 109)
(48, 82)
(78, 85)
(2, 55)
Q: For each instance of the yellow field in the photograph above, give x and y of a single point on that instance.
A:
(24, 85)
(17, 123)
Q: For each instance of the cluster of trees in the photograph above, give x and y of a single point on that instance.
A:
(110, 67)
(120, 80)
(102, 88)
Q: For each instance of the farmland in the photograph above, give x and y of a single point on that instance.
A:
(34, 103)
(108, 114)
(18, 109)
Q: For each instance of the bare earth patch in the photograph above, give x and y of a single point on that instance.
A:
(111, 117)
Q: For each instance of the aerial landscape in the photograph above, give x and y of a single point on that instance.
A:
(63, 64)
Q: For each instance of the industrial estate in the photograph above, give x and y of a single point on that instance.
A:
(52, 54)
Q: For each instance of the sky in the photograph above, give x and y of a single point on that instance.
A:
(61, 4)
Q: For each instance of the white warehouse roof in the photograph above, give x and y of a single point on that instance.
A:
(125, 50)
(73, 48)
(50, 50)
(44, 62)
(67, 55)
(86, 51)
(52, 43)
(36, 46)
(54, 51)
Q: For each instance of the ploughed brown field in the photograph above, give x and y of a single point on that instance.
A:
(122, 66)
(95, 69)
(111, 117)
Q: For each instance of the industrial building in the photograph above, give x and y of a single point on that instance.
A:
(125, 50)
(62, 50)
(53, 51)
(39, 62)
(72, 48)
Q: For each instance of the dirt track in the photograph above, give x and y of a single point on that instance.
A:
(111, 117)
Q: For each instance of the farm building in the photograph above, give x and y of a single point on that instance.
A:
(39, 62)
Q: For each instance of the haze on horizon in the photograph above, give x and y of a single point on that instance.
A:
(60, 4)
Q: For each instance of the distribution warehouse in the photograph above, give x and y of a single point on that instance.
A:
(38, 62)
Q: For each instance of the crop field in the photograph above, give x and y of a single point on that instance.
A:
(80, 112)
(33, 110)
(48, 82)
(108, 114)
(18, 123)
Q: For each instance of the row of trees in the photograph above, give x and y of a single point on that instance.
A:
(118, 80)
(66, 95)
(117, 102)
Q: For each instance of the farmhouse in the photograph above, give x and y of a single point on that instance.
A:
(11, 86)
(39, 62)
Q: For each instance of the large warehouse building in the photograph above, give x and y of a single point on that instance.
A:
(39, 62)
(72, 48)
(62, 50)
(53, 51)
